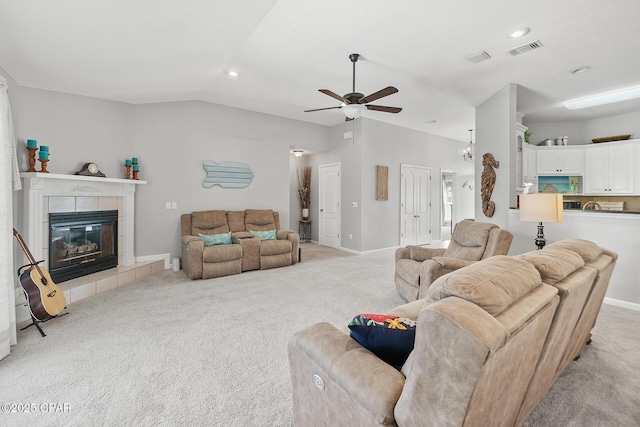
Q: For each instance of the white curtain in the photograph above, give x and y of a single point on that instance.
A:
(9, 180)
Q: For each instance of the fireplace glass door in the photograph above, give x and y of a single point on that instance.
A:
(82, 243)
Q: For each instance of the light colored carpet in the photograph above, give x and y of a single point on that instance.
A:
(165, 350)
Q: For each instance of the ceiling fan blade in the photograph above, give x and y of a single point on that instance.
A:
(383, 108)
(334, 95)
(320, 109)
(389, 90)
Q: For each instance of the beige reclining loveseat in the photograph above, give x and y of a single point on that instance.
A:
(490, 340)
(246, 248)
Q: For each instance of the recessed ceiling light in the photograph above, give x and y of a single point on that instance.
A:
(580, 70)
(519, 32)
(233, 73)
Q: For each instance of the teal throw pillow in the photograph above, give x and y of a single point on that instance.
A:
(216, 239)
(265, 235)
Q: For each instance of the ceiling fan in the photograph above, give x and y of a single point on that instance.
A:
(354, 103)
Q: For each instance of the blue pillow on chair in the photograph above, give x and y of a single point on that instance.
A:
(389, 337)
(216, 239)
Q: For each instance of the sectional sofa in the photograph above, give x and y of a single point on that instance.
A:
(487, 343)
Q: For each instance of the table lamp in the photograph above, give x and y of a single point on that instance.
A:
(541, 207)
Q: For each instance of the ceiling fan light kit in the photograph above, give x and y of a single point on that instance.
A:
(354, 104)
(353, 111)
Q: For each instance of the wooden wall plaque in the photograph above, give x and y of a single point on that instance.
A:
(382, 188)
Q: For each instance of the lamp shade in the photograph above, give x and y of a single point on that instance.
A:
(541, 207)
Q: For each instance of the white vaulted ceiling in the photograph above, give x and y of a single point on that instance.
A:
(142, 51)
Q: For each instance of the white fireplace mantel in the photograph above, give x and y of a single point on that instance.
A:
(37, 186)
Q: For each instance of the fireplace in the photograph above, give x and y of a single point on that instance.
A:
(82, 243)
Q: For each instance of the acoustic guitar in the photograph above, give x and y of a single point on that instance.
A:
(45, 298)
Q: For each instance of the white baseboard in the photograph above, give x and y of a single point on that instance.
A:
(165, 257)
(351, 251)
(623, 304)
(370, 251)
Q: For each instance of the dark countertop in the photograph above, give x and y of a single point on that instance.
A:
(603, 211)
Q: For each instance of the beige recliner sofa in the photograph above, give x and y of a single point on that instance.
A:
(417, 267)
(491, 338)
(246, 251)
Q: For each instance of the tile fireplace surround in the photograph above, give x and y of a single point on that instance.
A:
(45, 193)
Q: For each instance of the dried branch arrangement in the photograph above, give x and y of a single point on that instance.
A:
(304, 187)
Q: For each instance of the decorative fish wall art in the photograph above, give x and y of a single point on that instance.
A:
(227, 174)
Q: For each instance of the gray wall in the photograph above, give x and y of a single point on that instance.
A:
(375, 224)
(496, 134)
(349, 154)
(77, 129)
(390, 145)
(172, 141)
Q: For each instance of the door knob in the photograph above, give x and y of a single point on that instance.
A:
(321, 210)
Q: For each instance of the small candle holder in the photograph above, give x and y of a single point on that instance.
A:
(135, 174)
(43, 167)
(32, 159)
(127, 171)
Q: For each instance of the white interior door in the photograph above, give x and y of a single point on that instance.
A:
(415, 205)
(329, 201)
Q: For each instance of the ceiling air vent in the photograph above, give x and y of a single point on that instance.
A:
(478, 57)
(525, 48)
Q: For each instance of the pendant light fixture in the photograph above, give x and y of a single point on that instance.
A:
(467, 154)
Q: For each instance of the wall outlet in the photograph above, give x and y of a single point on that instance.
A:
(350, 236)
(174, 205)
(167, 205)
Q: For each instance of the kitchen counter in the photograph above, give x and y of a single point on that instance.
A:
(615, 230)
(601, 211)
(592, 211)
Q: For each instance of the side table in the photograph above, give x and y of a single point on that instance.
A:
(305, 230)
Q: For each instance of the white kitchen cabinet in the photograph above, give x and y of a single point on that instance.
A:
(520, 130)
(560, 161)
(636, 170)
(528, 162)
(609, 169)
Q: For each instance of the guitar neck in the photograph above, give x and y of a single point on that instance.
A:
(26, 250)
